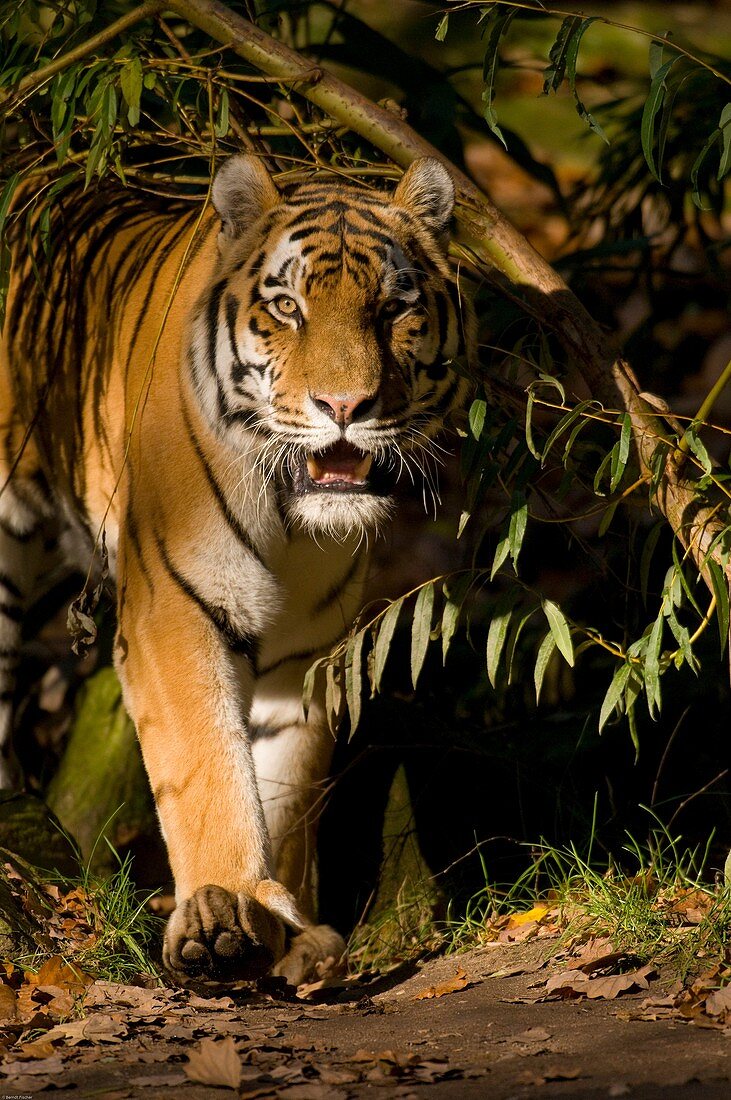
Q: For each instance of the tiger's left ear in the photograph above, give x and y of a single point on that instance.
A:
(242, 191)
(426, 191)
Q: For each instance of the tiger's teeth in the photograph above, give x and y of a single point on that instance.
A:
(314, 469)
(360, 472)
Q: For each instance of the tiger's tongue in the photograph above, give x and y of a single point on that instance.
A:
(341, 462)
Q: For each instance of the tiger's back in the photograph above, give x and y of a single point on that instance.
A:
(229, 397)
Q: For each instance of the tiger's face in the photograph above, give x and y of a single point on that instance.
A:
(329, 334)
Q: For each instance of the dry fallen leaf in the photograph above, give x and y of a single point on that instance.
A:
(537, 913)
(451, 985)
(8, 1003)
(215, 1063)
(551, 1073)
(61, 974)
(575, 983)
(719, 1002)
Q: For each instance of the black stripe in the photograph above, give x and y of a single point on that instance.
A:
(301, 655)
(228, 515)
(333, 593)
(264, 732)
(11, 586)
(246, 645)
(11, 611)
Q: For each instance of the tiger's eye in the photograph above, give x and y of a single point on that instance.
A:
(393, 307)
(286, 305)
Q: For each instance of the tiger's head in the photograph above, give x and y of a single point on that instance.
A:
(329, 333)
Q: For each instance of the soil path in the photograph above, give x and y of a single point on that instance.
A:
(485, 1035)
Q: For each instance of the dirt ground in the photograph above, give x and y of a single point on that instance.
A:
(469, 1025)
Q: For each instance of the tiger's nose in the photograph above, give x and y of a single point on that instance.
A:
(344, 408)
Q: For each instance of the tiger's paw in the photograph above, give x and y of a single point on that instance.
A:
(312, 954)
(223, 936)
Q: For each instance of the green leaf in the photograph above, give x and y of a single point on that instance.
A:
(477, 412)
(383, 640)
(720, 591)
(652, 665)
(607, 518)
(619, 462)
(455, 595)
(615, 692)
(696, 445)
(554, 75)
(513, 639)
(653, 103)
(354, 678)
(501, 553)
(543, 659)
(308, 686)
(421, 629)
(518, 524)
(333, 694)
(498, 23)
(130, 81)
(560, 630)
(497, 634)
(441, 32)
(221, 127)
(724, 125)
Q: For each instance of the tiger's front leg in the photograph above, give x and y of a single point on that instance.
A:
(190, 706)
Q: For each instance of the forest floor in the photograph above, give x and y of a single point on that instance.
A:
(505, 1020)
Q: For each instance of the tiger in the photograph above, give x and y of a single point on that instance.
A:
(227, 393)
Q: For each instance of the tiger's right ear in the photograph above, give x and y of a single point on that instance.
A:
(242, 191)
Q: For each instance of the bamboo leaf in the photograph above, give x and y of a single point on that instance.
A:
(496, 636)
(554, 75)
(478, 409)
(498, 23)
(454, 599)
(441, 32)
(517, 528)
(513, 639)
(421, 629)
(130, 80)
(383, 641)
(572, 54)
(501, 553)
(696, 445)
(652, 665)
(560, 630)
(720, 590)
(354, 678)
(221, 127)
(724, 125)
(653, 103)
(619, 462)
(543, 659)
(607, 518)
(615, 692)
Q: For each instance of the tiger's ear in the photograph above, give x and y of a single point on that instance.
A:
(242, 191)
(426, 191)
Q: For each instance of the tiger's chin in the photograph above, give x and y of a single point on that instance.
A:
(340, 514)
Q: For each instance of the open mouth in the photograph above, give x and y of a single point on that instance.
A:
(341, 468)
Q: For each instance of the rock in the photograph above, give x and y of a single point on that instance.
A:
(31, 830)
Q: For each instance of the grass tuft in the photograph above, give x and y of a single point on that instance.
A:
(660, 905)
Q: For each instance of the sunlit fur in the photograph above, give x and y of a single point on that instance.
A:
(152, 389)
